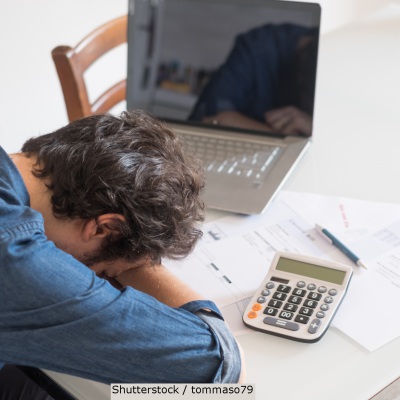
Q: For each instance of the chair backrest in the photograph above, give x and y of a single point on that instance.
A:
(71, 63)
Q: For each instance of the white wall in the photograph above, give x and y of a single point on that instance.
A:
(31, 101)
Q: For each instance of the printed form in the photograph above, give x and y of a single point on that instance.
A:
(228, 267)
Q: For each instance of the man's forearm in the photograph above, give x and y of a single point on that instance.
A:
(163, 285)
(236, 119)
(159, 282)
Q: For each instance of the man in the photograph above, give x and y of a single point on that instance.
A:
(117, 194)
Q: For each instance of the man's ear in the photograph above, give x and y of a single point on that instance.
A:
(101, 227)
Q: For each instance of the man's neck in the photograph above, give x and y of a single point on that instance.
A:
(38, 192)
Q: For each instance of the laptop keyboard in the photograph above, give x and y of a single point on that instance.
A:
(233, 157)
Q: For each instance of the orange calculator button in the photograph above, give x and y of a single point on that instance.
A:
(252, 314)
(256, 307)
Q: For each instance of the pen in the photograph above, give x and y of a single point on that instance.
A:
(339, 245)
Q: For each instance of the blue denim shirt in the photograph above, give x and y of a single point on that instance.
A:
(56, 314)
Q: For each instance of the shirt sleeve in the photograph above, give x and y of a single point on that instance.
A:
(230, 368)
(229, 371)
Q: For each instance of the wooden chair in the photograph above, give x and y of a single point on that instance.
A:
(71, 63)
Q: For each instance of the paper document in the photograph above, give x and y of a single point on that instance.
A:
(227, 268)
(369, 314)
(236, 251)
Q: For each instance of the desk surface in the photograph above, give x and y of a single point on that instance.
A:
(354, 154)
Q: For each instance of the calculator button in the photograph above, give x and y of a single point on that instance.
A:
(306, 311)
(322, 289)
(320, 314)
(302, 319)
(284, 288)
(265, 292)
(295, 299)
(252, 314)
(311, 286)
(314, 296)
(271, 311)
(324, 307)
(299, 292)
(310, 303)
(290, 307)
(328, 299)
(270, 285)
(275, 303)
(281, 323)
(286, 315)
(261, 300)
(256, 307)
(279, 296)
(314, 326)
(301, 284)
(333, 292)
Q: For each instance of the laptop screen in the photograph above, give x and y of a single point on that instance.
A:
(245, 64)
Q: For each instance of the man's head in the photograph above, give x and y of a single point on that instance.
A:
(132, 168)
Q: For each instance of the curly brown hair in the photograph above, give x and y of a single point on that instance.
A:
(134, 165)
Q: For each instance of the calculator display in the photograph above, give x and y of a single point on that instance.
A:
(311, 270)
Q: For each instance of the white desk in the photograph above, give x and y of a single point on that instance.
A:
(354, 154)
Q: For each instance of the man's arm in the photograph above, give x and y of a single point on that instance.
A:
(159, 282)
(78, 324)
(163, 285)
(238, 120)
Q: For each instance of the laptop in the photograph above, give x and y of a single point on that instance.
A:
(236, 79)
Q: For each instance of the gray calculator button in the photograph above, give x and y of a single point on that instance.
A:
(261, 300)
(311, 286)
(328, 299)
(322, 289)
(301, 284)
(324, 307)
(270, 285)
(314, 326)
(291, 326)
(266, 292)
(320, 314)
(333, 292)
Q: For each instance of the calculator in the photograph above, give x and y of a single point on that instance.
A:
(298, 298)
